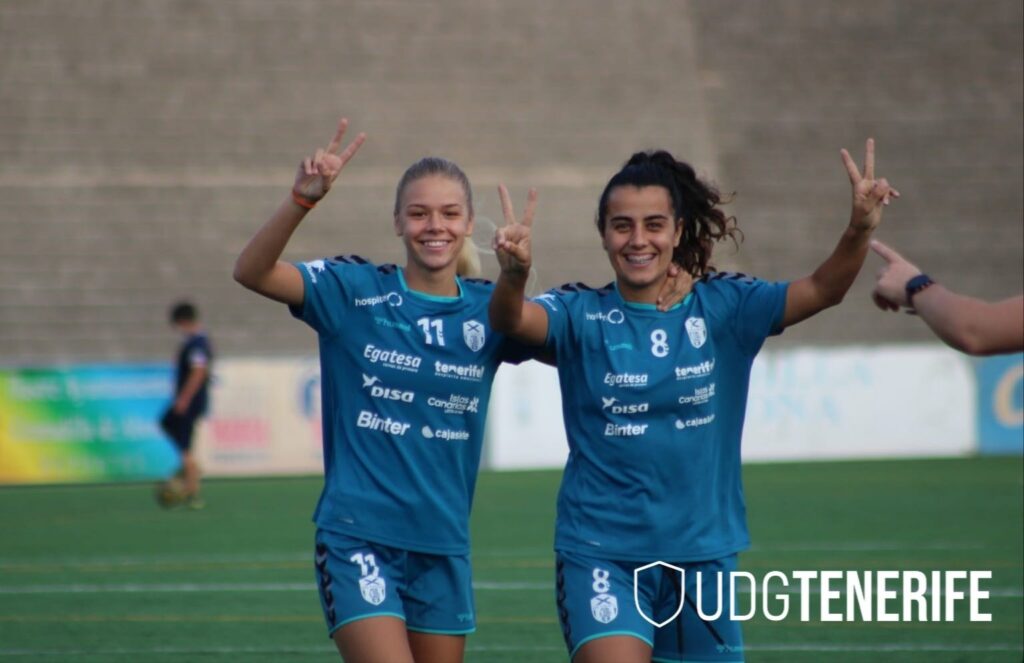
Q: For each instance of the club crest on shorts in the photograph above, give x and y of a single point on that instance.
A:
(697, 331)
(373, 589)
(473, 334)
(636, 584)
(604, 608)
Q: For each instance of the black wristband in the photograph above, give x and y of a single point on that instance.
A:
(916, 285)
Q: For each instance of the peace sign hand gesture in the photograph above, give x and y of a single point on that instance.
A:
(317, 173)
(512, 241)
(869, 194)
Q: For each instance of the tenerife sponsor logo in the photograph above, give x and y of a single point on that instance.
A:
(624, 430)
(701, 370)
(392, 359)
(614, 316)
(374, 421)
(391, 299)
(444, 434)
(694, 422)
(700, 395)
(617, 347)
(471, 372)
(456, 404)
(372, 383)
(615, 407)
(629, 380)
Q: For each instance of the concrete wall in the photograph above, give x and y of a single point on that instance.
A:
(143, 142)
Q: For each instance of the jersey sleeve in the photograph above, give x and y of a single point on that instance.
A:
(558, 304)
(325, 295)
(755, 308)
(199, 354)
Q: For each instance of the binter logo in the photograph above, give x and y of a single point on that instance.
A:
(392, 358)
(701, 370)
(391, 299)
(383, 424)
(371, 382)
(625, 379)
(625, 430)
(615, 407)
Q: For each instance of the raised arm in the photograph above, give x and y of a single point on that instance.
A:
(967, 324)
(510, 312)
(259, 266)
(832, 279)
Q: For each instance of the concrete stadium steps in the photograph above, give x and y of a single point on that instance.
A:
(142, 143)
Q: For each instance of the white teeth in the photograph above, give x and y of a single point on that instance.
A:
(436, 244)
(639, 260)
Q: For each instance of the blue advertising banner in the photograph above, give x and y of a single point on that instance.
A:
(1001, 405)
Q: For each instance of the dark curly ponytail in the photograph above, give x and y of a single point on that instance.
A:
(694, 201)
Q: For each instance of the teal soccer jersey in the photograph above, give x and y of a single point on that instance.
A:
(405, 380)
(653, 404)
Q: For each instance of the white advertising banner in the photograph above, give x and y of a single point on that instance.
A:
(867, 402)
(264, 419)
(806, 404)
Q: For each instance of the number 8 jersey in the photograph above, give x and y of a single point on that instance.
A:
(405, 381)
(653, 404)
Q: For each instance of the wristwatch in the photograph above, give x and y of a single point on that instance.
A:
(916, 285)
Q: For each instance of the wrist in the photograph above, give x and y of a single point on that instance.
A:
(915, 285)
(303, 201)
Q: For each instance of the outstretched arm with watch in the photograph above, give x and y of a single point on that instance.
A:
(967, 324)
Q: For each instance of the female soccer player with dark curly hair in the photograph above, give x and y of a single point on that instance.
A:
(653, 403)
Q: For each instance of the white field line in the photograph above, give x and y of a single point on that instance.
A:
(880, 647)
(191, 587)
(293, 556)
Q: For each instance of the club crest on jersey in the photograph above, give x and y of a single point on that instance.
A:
(636, 591)
(604, 608)
(373, 589)
(697, 331)
(473, 334)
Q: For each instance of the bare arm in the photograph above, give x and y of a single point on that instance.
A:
(510, 313)
(832, 279)
(970, 325)
(259, 266)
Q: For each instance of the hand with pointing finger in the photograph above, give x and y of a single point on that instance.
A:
(869, 194)
(512, 241)
(890, 291)
(317, 173)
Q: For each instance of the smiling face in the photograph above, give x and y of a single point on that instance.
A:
(433, 220)
(640, 232)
